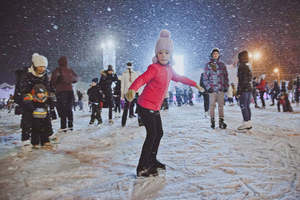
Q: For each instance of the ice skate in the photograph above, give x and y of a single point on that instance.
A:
(110, 121)
(160, 165)
(222, 124)
(152, 171)
(247, 125)
(212, 123)
(26, 143)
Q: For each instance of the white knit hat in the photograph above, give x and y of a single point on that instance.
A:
(39, 60)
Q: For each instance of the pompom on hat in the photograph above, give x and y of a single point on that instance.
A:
(39, 60)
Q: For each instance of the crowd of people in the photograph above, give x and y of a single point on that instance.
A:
(144, 95)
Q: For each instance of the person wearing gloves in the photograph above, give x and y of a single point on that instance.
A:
(215, 79)
(244, 89)
(127, 78)
(157, 78)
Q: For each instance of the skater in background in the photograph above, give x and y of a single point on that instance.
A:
(157, 79)
(62, 79)
(230, 94)
(165, 104)
(274, 92)
(297, 89)
(215, 80)
(262, 89)
(283, 99)
(107, 78)
(205, 96)
(190, 96)
(254, 91)
(117, 99)
(96, 101)
(128, 76)
(79, 97)
(244, 89)
(290, 88)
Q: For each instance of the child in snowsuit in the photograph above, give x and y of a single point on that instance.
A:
(38, 102)
(96, 101)
(157, 79)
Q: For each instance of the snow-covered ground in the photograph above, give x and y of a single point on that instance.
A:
(100, 163)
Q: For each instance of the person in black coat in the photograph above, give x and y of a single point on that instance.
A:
(274, 92)
(107, 78)
(117, 98)
(36, 74)
(205, 96)
(254, 92)
(96, 101)
(244, 89)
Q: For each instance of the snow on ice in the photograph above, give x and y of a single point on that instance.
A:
(100, 162)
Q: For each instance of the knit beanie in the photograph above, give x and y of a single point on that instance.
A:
(164, 42)
(39, 60)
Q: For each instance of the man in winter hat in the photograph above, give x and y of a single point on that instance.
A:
(215, 79)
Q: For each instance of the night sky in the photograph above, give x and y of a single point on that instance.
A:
(76, 29)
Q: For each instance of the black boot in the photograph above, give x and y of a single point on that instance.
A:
(160, 165)
(146, 172)
(212, 121)
(222, 124)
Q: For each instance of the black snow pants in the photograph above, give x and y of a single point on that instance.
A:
(153, 125)
(64, 108)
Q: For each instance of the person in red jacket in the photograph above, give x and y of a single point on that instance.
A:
(262, 89)
(157, 79)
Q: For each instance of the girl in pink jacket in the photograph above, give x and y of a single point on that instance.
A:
(157, 79)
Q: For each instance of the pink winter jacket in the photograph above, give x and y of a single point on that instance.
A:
(157, 77)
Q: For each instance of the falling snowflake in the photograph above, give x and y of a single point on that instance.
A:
(55, 27)
(109, 9)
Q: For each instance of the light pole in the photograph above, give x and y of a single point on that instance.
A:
(276, 71)
(109, 53)
(255, 56)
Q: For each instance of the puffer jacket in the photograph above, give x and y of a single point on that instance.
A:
(157, 79)
(244, 78)
(220, 71)
(63, 76)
